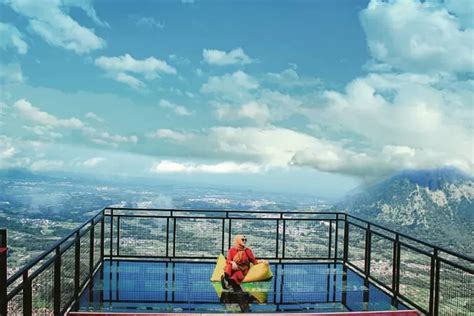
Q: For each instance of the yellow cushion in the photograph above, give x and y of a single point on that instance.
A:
(258, 272)
(219, 269)
(259, 290)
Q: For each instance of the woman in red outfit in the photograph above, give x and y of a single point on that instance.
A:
(239, 258)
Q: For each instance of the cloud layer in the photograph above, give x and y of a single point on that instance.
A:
(222, 58)
(121, 69)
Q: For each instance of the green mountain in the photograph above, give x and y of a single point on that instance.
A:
(432, 205)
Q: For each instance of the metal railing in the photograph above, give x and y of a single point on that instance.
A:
(433, 280)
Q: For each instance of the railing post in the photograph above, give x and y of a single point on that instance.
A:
(27, 297)
(436, 289)
(230, 231)
(91, 247)
(102, 236)
(330, 240)
(118, 235)
(111, 232)
(167, 236)
(174, 237)
(3, 272)
(368, 246)
(283, 243)
(346, 240)
(433, 268)
(223, 236)
(57, 282)
(77, 266)
(396, 270)
(336, 238)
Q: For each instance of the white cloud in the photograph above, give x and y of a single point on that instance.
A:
(34, 114)
(50, 122)
(401, 121)
(56, 27)
(178, 109)
(45, 164)
(150, 22)
(120, 68)
(222, 58)
(171, 135)
(115, 138)
(11, 73)
(93, 162)
(86, 5)
(7, 149)
(290, 78)
(11, 37)
(45, 132)
(417, 36)
(464, 11)
(235, 85)
(257, 112)
(169, 166)
(95, 117)
(273, 145)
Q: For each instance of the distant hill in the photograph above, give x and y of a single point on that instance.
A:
(434, 205)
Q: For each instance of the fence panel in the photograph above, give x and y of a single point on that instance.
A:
(456, 291)
(84, 258)
(307, 239)
(261, 234)
(142, 236)
(381, 260)
(42, 292)
(198, 237)
(97, 233)
(356, 243)
(415, 270)
(15, 304)
(67, 277)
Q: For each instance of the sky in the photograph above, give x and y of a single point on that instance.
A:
(292, 96)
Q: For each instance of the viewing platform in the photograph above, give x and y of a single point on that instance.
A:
(156, 261)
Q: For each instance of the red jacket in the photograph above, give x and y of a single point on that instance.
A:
(243, 258)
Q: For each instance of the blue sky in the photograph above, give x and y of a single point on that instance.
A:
(311, 96)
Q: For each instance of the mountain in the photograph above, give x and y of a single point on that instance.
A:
(433, 205)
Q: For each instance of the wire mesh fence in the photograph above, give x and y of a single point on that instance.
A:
(196, 237)
(15, 304)
(307, 239)
(42, 292)
(356, 246)
(420, 275)
(261, 234)
(456, 291)
(97, 243)
(67, 276)
(142, 236)
(381, 259)
(414, 279)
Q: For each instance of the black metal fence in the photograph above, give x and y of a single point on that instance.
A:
(433, 280)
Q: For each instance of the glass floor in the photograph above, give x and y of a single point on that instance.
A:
(131, 286)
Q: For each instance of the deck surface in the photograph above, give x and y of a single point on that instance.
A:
(381, 313)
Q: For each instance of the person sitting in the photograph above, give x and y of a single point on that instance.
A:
(238, 262)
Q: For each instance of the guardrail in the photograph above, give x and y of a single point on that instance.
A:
(435, 281)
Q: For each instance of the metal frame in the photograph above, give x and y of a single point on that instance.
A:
(111, 218)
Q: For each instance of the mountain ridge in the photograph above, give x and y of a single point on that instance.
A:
(433, 204)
